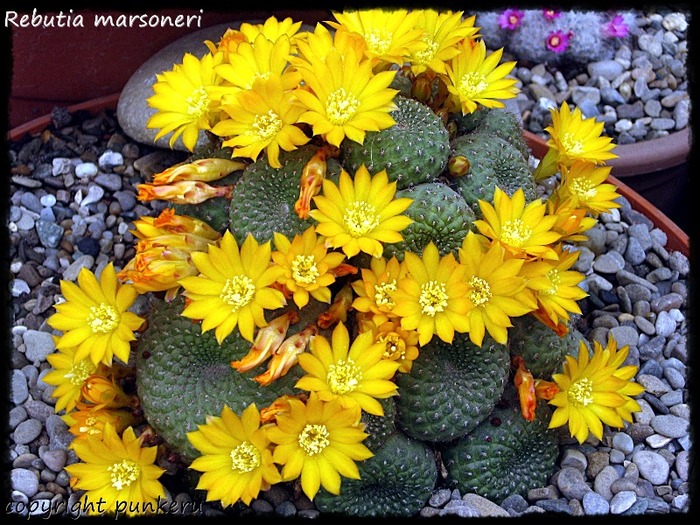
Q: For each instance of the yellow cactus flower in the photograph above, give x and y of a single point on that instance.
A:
(376, 289)
(495, 290)
(119, 472)
(236, 458)
(524, 230)
(432, 296)
(476, 79)
(183, 101)
(234, 287)
(399, 345)
(342, 97)
(442, 32)
(357, 374)
(593, 390)
(391, 35)
(319, 441)
(573, 137)
(360, 214)
(585, 183)
(308, 267)
(69, 376)
(95, 317)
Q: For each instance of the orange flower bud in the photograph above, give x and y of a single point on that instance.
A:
(287, 355)
(183, 192)
(279, 406)
(338, 311)
(267, 341)
(205, 170)
(525, 384)
(545, 389)
(102, 392)
(458, 166)
(312, 179)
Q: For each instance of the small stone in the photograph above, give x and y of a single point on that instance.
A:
(485, 507)
(19, 391)
(439, 498)
(623, 484)
(604, 480)
(625, 336)
(109, 181)
(24, 481)
(27, 431)
(261, 506)
(594, 504)
(54, 459)
(623, 442)
(540, 493)
(574, 458)
(85, 170)
(38, 345)
(94, 194)
(84, 261)
(50, 233)
(652, 466)
(674, 377)
(61, 166)
(286, 509)
(622, 501)
(670, 426)
(515, 502)
(653, 385)
(555, 505)
(571, 483)
(110, 159)
(608, 263)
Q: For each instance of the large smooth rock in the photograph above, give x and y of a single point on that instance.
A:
(132, 109)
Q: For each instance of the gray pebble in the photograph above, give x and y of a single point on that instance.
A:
(515, 502)
(623, 484)
(653, 385)
(439, 498)
(19, 390)
(16, 416)
(665, 325)
(110, 159)
(485, 507)
(609, 263)
(27, 431)
(61, 166)
(55, 459)
(571, 483)
(670, 426)
(634, 254)
(94, 194)
(604, 480)
(261, 506)
(109, 181)
(49, 233)
(675, 377)
(84, 261)
(616, 457)
(286, 509)
(622, 501)
(652, 466)
(623, 442)
(625, 336)
(38, 410)
(555, 505)
(24, 481)
(594, 504)
(683, 465)
(574, 458)
(38, 345)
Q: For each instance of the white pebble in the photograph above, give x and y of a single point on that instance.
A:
(85, 169)
(109, 159)
(48, 200)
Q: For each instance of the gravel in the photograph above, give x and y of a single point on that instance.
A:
(73, 202)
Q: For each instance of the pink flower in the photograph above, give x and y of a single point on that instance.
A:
(616, 28)
(558, 41)
(551, 14)
(510, 18)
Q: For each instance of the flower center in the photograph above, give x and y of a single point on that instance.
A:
(124, 473)
(304, 269)
(238, 291)
(581, 392)
(583, 188)
(433, 298)
(89, 426)
(426, 54)
(571, 145)
(554, 40)
(341, 107)
(79, 372)
(343, 376)
(266, 126)
(394, 346)
(245, 457)
(360, 218)
(383, 292)
(197, 102)
(103, 318)
(378, 42)
(472, 84)
(555, 278)
(513, 20)
(480, 292)
(514, 232)
(313, 439)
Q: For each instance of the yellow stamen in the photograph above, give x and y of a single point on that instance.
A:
(304, 269)
(515, 232)
(103, 318)
(313, 439)
(480, 292)
(341, 107)
(378, 42)
(124, 473)
(472, 84)
(433, 298)
(571, 145)
(344, 376)
(238, 291)
(583, 188)
(394, 346)
(197, 102)
(581, 392)
(555, 278)
(79, 372)
(426, 54)
(382, 294)
(245, 457)
(360, 218)
(267, 125)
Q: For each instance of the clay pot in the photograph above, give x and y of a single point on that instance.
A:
(677, 239)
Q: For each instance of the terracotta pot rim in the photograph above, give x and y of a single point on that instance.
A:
(677, 239)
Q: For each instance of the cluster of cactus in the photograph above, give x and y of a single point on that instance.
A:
(456, 402)
(588, 39)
